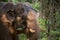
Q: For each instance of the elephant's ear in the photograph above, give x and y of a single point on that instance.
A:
(7, 13)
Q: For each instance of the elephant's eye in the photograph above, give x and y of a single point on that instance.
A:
(11, 13)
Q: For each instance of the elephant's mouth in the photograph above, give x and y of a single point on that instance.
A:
(19, 28)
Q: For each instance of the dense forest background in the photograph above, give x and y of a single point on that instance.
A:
(49, 18)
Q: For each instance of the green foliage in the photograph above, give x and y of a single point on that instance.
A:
(54, 33)
(42, 26)
(36, 6)
(42, 23)
(22, 37)
(58, 18)
(15, 1)
(23, 0)
(44, 39)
